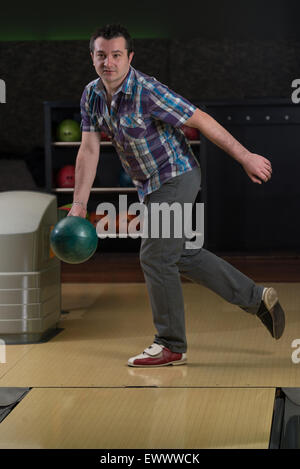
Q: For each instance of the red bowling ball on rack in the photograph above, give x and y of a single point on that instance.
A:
(190, 132)
(65, 177)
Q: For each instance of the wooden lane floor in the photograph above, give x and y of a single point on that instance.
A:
(11, 355)
(108, 323)
(71, 418)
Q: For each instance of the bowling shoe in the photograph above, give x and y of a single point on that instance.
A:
(157, 355)
(271, 313)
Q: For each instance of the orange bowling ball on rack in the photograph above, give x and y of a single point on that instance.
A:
(123, 220)
(94, 218)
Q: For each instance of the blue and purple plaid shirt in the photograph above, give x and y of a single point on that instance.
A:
(144, 124)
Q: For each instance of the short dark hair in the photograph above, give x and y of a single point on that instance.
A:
(110, 31)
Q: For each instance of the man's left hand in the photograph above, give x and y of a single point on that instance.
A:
(258, 168)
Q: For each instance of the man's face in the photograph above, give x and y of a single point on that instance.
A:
(111, 61)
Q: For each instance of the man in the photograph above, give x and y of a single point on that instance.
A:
(143, 118)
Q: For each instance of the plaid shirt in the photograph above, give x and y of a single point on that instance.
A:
(144, 124)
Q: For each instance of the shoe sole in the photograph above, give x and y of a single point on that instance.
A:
(270, 298)
(276, 311)
(176, 363)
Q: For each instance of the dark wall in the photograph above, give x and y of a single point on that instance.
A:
(197, 68)
(202, 49)
(243, 216)
(214, 19)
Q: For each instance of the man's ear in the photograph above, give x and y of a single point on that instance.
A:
(92, 56)
(131, 56)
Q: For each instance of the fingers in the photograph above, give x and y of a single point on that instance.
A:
(261, 177)
(263, 169)
(267, 163)
(267, 174)
(254, 179)
(267, 167)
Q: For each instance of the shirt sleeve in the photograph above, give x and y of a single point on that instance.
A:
(168, 106)
(87, 124)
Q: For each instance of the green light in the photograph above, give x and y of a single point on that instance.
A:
(71, 36)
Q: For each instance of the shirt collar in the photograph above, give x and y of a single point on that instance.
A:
(126, 86)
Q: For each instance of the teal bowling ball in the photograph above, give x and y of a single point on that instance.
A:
(125, 180)
(69, 131)
(74, 240)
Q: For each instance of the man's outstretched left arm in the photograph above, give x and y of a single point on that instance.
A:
(257, 167)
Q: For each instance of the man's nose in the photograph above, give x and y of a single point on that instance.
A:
(107, 61)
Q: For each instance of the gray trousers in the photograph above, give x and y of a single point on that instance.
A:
(165, 259)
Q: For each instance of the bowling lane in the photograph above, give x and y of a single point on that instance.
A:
(140, 418)
(11, 355)
(108, 323)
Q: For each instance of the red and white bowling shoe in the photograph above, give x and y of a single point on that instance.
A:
(157, 355)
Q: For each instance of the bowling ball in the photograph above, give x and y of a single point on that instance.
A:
(74, 240)
(68, 131)
(66, 176)
(104, 137)
(125, 180)
(190, 132)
